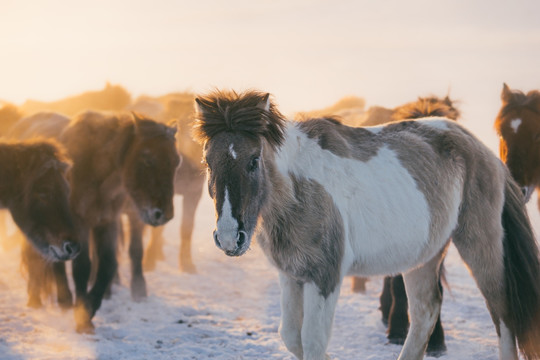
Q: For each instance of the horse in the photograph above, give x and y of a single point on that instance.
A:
(9, 115)
(116, 158)
(110, 98)
(349, 109)
(325, 200)
(33, 187)
(393, 300)
(518, 127)
(189, 179)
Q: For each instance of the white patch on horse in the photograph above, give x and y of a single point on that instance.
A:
(378, 199)
(435, 122)
(507, 345)
(515, 124)
(227, 225)
(232, 152)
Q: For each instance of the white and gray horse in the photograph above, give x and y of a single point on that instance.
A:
(326, 200)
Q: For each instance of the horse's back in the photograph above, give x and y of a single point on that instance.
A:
(42, 124)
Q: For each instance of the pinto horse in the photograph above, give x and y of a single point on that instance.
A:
(393, 300)
(326, 200)
(518, 127)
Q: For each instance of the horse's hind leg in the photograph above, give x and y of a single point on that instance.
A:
(483, 254)
(34, 265)
(425, 301)
(138, 284)
(385, 299)
(154, 251)
(398, 319)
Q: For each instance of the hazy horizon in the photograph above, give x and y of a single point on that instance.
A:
(308, 54)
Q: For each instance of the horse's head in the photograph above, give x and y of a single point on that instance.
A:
(41, 208)
(149, 167)
(425, 107)
(237, 131)
(518, 126)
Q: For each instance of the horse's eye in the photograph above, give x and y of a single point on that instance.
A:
(253, 164)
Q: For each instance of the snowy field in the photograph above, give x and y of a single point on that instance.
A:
(229, 310)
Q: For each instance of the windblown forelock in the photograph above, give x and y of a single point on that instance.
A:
(238, 113)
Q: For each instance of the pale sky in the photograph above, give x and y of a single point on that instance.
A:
(308, 54)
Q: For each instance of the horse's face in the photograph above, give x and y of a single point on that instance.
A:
(43, 213)
(149, 171)
(236, 183)
(518, 126)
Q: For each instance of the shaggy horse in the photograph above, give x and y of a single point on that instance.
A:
(111, 98)
(393, 299)
(518, 127)
(33, 187)
(115, 158)
(189, 179)
(327, 200)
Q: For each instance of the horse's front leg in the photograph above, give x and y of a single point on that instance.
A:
(138, 284)
(65, 299)
(292, 314)
(81, 273)
(318, 318)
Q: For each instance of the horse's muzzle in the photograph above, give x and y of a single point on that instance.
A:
(234, 248)
(68, 251)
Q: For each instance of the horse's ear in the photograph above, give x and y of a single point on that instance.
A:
(199, 107)
(506, 95)
(264, 104)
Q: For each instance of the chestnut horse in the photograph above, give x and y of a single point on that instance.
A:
(116, 158)
(33, 187)
(326, 200)
(110, 98)
(189, 179)
(518, 127)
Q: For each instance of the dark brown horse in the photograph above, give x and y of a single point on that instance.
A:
(33, 187)
(518, 127)
(116, 158)
(393, 300)
(111, 98)
(189, 179)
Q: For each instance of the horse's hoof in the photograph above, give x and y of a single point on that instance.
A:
(436, 350)
(34, 303)
(86, 328)
(138, 290)
(188, 267)
(396, 340)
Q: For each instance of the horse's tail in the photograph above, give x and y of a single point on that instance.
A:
(522, 273)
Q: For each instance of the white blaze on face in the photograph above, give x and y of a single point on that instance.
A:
(514, 124)
(227, 225)
(232, 152)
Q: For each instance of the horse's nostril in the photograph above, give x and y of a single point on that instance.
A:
(158, 214)
(70, 248)
(524, 191)
(242, 236)
(216, 240)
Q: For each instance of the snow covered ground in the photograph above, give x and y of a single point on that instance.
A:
(229, 310)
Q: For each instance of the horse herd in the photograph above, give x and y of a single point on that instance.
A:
(325, 200)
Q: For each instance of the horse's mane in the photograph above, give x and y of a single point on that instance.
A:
(229, 111)
(425, 107)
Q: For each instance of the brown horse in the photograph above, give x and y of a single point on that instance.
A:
(111, 98)
(116, 158)
(9, 115)
(518, 127)
(33, 187)
(393, 300)
(189, 179)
